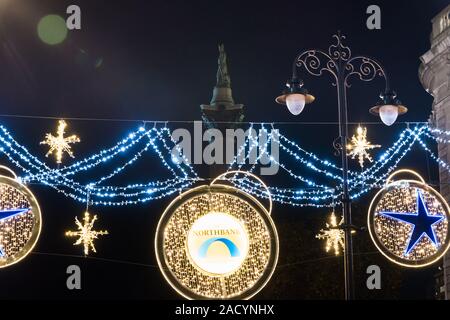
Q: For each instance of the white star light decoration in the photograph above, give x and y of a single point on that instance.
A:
(60, 144)
(359, 146)
(86, 233)
(333, 235)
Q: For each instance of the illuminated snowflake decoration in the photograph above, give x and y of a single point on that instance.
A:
(359, 146)
(86, 234)
(333, 235)
(59, 144)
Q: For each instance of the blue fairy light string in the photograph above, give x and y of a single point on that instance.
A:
(159, 141)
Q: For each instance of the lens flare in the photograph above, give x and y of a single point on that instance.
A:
(52, 29)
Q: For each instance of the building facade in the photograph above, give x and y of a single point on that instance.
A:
(434, 73)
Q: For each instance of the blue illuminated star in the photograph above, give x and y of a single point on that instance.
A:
(421, 221)
(6, 214)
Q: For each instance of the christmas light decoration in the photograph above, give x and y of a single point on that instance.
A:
(315, 195)
(216, 242)
(311, 193)
(59, 144)
(135, 193)
(408, 221)
(86, 233)
(359, 146)
(20, 221)
(282, 196)
(333, 235)
(53, 178)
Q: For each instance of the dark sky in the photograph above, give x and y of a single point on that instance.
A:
(158, 62)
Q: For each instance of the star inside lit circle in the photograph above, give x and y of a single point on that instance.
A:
(421, 221)
(408, 222)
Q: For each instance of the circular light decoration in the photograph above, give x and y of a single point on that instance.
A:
(20, 220)
(408, 222)
(217, 242)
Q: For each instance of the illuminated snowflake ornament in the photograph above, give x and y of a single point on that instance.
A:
(333, 235)
(86, 234)
(59, 144)
(359, 146)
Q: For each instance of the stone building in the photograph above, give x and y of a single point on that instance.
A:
(434, 73)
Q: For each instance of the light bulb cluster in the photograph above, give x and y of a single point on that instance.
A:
(20, 221)
(15, 230)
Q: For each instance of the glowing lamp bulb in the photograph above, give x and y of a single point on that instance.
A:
(295, 103)
(388, 114)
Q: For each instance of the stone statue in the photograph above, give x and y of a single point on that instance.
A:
(223, 78)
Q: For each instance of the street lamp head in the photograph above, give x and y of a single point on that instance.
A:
(388, 108)
(295, 96)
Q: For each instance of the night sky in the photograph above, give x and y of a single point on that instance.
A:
(157, 60)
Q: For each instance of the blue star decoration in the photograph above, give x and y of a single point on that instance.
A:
(7, 214)
(421, 221)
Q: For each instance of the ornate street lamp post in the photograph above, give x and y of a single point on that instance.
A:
(338, 61)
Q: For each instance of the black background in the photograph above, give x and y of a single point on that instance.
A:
(159, 60)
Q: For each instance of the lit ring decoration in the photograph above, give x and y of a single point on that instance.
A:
(216, 242)
(20, 220)
(237, 172)
(408, 222)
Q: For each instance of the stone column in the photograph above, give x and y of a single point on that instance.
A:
(434, 73)
(222, 112)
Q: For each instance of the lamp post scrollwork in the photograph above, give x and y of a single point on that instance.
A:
(343, 67)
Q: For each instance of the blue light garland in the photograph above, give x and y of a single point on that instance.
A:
(159, 141)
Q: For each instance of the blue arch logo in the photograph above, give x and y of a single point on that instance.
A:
(232, 248)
